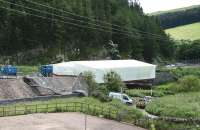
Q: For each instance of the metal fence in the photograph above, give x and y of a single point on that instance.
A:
(14, 110)
(96, 110)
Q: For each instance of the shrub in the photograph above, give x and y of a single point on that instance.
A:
(188, 84)
(183, 105)
(101, 96)
(143, 93)
(92, 85)
(113, 81)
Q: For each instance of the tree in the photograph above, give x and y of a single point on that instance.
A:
(113, 82)
(113, 50)
(86, 36)
(92, 85)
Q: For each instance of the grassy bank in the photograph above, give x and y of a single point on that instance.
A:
(185, 105)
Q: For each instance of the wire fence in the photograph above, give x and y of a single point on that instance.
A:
(110, 113)
(113, 113)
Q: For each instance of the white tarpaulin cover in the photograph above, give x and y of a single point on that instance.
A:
(129, 70)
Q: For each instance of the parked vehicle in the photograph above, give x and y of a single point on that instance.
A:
(147, 99)
(122, 97)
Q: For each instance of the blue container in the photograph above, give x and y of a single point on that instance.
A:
(9, 70)
(46, 70)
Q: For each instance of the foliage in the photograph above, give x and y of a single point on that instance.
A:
(167, 89)
(184, 105)
(26, 39)
(181, 72)
(143, 93)
(92, 85)
(188, 84)
(181, 32)
(113, 82)
(188, 50)
(113, 50)
(24, 70)
(179, 17)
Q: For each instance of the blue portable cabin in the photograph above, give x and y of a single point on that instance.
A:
(9, 70)
(46, 70)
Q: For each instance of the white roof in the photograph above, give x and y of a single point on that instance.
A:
(128, 69)
(112, 63)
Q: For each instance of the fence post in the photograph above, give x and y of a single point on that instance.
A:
(109, 112)
(66, 107)
(25, 110)
(3, 111)
(56, 107)
(102, 110)
(15, 110)
(47, 108)
(81, 107)
(36, 111)
(75, 107)
(88, 109)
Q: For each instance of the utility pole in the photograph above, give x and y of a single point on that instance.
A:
(85, 121)
(85, 115)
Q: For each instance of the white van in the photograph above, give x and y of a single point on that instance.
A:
(122, 97)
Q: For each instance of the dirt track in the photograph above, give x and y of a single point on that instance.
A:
(60, 121)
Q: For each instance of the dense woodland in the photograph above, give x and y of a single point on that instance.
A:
(179, 17)
(32, 33)
(188, 50)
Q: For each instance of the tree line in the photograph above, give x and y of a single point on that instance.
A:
(32, 33)
(179, 17)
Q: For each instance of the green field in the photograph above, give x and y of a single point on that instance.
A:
(186, 32)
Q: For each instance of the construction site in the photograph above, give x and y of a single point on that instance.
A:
(66, 78)
(36, 85)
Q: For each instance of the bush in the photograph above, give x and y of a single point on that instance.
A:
(183, 105)
(92, 85)
(101, 96)
(143, 93)
(181, 72)
(188, 84)
(113, 82)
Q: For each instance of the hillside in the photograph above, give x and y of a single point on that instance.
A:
(186, 32)
(178, 17)
(39, 32)
(174, 10)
